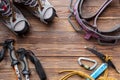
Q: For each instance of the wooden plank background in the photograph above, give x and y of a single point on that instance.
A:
(58, 46)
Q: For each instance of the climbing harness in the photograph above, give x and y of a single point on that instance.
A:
(103, 37)
(29, 54)
(13, 18)
(86, 66)
(39, 8)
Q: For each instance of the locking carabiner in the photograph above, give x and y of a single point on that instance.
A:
(86, 66)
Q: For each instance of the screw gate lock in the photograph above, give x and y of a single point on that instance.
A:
(86, 66)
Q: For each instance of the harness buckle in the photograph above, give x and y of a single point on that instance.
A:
(103, 42)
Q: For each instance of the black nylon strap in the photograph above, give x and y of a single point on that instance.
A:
(2, 54)
(39, 69)
(3, 50)
(37, 64)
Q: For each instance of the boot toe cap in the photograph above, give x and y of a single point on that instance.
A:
(21, 27)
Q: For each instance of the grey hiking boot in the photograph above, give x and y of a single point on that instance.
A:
(39, 8)
(13, 18)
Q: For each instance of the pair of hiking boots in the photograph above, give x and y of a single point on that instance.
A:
(14, 19)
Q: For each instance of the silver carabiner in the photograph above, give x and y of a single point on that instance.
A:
(86, 66)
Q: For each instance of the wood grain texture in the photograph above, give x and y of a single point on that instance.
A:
(58, 46)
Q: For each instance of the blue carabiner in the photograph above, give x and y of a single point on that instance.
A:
(99, 71)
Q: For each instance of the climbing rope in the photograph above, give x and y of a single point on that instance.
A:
(73, 72)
